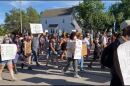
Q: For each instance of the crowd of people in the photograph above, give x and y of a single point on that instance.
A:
(30, 46)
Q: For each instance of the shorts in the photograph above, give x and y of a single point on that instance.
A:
(7, 62)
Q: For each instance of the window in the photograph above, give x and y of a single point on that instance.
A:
(46, 21)
(63, 21)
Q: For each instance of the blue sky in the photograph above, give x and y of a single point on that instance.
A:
(6, 6)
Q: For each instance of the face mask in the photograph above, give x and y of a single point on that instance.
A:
(75, 37)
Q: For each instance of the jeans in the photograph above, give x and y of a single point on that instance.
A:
(35, 56)
(75, 65)
(81, 61)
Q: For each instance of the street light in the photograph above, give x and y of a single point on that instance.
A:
(21, 15)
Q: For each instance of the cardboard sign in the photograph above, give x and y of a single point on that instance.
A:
(123, 52)
(36, 28)
(8, 51)
(27, 48)
(84, 49)
(78, 49)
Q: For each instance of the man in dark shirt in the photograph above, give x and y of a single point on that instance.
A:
(110, 58)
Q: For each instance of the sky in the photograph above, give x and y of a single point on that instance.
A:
(41, 5)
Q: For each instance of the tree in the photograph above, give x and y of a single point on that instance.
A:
(91, 15)
(121, 12)
(3, 30)
(12, 20)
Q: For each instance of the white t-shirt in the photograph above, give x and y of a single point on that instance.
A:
(87, 40)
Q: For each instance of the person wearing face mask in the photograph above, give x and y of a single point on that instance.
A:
(110, 58)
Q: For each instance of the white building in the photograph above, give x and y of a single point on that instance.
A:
(59, 20)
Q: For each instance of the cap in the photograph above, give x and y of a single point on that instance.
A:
(125, 24)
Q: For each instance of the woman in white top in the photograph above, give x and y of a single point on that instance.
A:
(70, 55)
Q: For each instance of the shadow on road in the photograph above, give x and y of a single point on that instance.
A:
(37, 80)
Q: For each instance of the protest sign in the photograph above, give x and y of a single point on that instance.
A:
(123, 52)
(27, 48)
(84, 49)
(70, 48)
(8, 51)
(78, 49)
(36, 28)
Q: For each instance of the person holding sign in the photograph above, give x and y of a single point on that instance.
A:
(27, 52)
(84, 51)
(111, 58)
(71, 55)
(6, 60)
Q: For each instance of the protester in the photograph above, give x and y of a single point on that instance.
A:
(35, 47)
(27, 52)
(42, 41)
(16, 41)
(110, 57)
(97, 52)
(81, 61)
(70, 56)
(7, 40)
(63, 45)
(88, 43)
(53, 55)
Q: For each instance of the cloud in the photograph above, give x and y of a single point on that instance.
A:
(71, 3)
(23, 3)
(109, 3)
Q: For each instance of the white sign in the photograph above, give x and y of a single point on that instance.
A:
(78, 49)
(73, 30)
(36, 28)
(46, 31)
(70, 48)
(124, 61)
(8, 51)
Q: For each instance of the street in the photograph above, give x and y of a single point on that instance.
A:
(51, 75)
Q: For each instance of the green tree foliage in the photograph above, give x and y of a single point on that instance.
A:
(121, 11)
(3, 30)
(92, 16)
(12, 20)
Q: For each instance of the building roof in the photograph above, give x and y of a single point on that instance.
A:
(57, 12)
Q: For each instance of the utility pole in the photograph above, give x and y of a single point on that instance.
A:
(21, 16)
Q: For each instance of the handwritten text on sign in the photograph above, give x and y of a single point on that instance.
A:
(78, 49)
(8, 51)
(36, 28)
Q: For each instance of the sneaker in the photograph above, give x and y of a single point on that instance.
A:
(81, 70)
(62, 71)
(16, 72)
(13, 79)
(22, 65)
(37, 64)
(29, 68)
(77, 76)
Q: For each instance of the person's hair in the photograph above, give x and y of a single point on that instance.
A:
(72, 35)
(79, 35)
(126, 31)
(64, 35)
(52, 36)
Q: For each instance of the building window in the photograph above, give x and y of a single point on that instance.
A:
(63, 21)
(46, 21)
